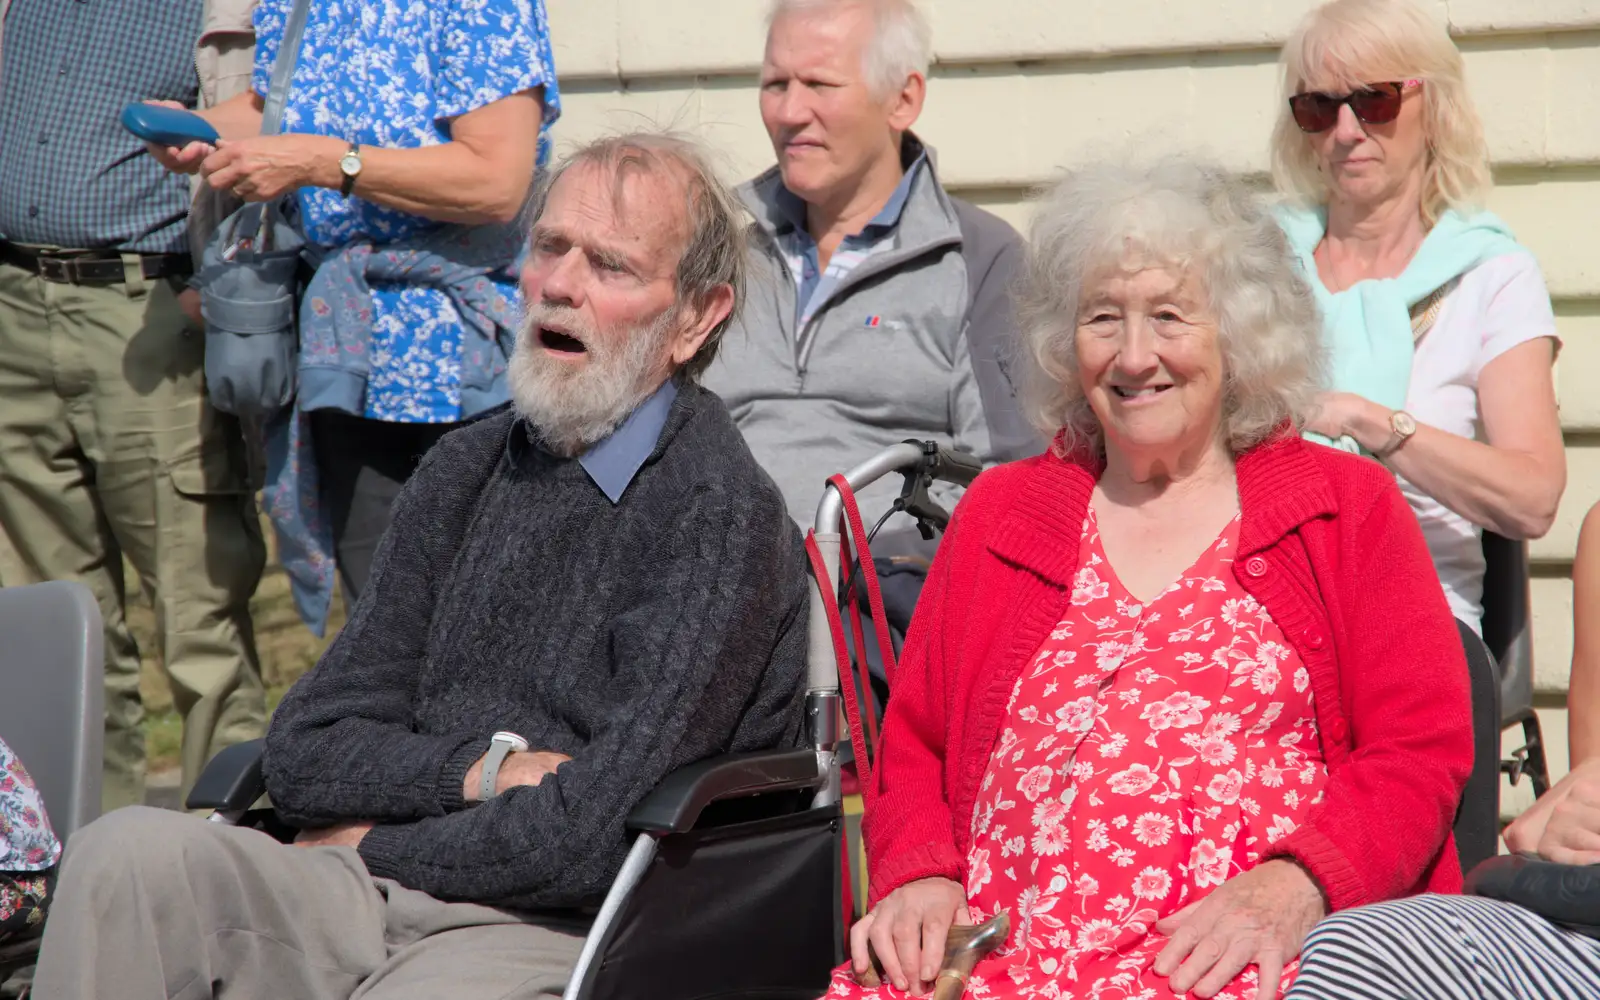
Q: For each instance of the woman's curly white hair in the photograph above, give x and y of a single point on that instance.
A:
(1191, 218)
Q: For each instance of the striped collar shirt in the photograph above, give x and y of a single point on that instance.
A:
(816, 284)
(72, 176)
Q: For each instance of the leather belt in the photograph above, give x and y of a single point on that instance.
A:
(92, 267)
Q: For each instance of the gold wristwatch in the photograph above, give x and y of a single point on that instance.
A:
(1401, 426)
(350, 167)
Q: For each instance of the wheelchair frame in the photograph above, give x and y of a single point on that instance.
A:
(232, 782)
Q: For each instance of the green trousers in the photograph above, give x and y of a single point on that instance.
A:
(108, 449)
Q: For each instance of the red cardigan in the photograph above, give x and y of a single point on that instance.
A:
(1326, 543)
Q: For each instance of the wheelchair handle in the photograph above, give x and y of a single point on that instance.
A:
(949, 465)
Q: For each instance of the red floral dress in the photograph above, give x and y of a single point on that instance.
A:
(1150, 752)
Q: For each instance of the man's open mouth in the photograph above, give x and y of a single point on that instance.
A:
(561, 343)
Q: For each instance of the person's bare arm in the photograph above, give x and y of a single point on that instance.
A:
(1583, 689)
(239, 117)
(481, 176)
(1510, 483)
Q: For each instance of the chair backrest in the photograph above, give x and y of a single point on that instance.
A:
(1507, 628)
(1477, 824)
(52, 700)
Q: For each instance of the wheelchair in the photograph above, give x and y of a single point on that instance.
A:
(737, 882)
(732, 885)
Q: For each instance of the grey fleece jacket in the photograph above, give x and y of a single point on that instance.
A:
(511, 593)
(937, 364)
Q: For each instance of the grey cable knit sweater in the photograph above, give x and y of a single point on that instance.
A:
(510, 593)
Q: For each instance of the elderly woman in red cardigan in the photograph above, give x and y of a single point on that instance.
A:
(1185, 683)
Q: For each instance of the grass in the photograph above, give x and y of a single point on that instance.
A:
(287, 649)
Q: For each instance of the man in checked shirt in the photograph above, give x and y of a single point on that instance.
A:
(108, 447)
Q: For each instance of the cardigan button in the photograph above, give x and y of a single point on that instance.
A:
(1256, 567)
(1338, 731)
(1314, 639)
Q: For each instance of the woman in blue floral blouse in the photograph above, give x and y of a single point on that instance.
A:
(28, 852)
(443, 106)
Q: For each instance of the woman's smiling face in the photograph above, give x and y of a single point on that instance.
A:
(1150, 360)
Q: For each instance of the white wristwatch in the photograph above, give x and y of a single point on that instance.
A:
(349, 169)
(499, 746)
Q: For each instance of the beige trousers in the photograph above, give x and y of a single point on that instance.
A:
(109, 449)
(154, 905)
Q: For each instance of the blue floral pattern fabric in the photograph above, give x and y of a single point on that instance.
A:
(27, 844)
(393, 73)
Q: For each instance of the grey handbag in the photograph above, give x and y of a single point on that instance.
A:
(249, 278)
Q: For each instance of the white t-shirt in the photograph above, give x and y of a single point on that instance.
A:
(1495, 306)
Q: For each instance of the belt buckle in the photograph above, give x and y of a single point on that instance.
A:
(62, 270)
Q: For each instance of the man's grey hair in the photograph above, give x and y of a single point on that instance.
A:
(1194, 218)
(901, 44)
(714, 248)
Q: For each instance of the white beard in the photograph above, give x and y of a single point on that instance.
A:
(573, 407)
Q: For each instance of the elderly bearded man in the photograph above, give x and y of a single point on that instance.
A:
(603, 570)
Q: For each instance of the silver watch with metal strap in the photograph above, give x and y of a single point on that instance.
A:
(499, 746)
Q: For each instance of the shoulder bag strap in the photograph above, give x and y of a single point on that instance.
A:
(294, 29)
(1426, 311)
(283, 68)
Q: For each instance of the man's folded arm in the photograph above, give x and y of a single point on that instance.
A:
(714, 656)
(342, 744)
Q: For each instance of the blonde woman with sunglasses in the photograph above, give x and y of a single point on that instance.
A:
(1438, 322)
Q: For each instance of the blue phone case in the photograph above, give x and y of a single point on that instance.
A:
(166, 126)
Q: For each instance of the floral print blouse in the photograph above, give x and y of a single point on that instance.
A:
(1151, 751)
(393, 73)
(27, 844)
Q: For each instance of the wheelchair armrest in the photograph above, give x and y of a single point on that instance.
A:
(231, 780)
(1567, 895)
(675, 804)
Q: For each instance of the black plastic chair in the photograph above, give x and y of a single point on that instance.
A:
(730, 888)
(1507, 631)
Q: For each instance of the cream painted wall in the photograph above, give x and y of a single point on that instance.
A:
(1024, 86)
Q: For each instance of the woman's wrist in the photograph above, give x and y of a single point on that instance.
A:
(1369, 424)
(322, 169)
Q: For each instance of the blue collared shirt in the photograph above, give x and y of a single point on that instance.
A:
(614, 461)
(800, 250)
(70, 174)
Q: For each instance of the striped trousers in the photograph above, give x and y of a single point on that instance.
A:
(1445, 948)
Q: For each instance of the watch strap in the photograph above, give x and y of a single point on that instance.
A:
(499, 748)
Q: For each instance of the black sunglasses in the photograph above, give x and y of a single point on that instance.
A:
(1375, 104)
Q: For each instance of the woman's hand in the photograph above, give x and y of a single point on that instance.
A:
(1564, 825)
(263, 167)
(1261, 917)
(180, 161)
(907, 931)
(1345, 414)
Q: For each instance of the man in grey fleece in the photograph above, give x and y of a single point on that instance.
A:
(603, 570)
(878, 307)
